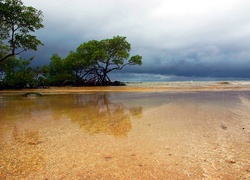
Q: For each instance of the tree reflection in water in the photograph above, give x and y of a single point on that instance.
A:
(21, 141)
(97, 114)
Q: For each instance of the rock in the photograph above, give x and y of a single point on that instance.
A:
(118, 83)
(32, 94)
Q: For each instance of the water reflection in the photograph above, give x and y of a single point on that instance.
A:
(94, 113)
(17, 108)
(99, 115)
(40, 137)
(23, 133)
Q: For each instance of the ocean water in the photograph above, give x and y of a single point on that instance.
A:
(188, 83)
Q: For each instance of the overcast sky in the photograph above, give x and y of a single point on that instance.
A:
(178, 39)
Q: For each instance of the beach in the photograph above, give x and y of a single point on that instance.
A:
(165, 130)
(147, 87)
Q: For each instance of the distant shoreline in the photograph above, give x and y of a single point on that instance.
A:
(144, 87)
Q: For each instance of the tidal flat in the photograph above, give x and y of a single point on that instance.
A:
(134, 132)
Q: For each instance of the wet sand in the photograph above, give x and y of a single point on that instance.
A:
(126, 133)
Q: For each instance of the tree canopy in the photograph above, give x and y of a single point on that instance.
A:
(93, 60)
(17, 23)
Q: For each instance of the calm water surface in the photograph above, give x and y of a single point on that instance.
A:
(119, 135)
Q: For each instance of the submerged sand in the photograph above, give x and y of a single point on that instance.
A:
(126, 133)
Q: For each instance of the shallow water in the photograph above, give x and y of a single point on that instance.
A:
(126, 135)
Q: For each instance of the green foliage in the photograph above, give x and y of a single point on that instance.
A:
(58, 71)
(88, 65)
(77, 64)
(91, 62)
(17, 22)
(95, 59)
(40, 76)
(18, 74)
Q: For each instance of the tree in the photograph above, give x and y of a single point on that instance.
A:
(77, 65)
(82, 62)
(91, 63)
(18, 74)
(58, 72)
(17, 23)
(98, 58)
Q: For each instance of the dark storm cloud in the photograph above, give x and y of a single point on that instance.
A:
(202, 39)
(208, 61)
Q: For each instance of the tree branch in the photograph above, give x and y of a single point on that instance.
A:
(7, 56)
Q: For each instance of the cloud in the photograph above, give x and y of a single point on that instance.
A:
(207, 39)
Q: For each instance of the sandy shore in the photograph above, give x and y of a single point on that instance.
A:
(131, 132)
(141, 87)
